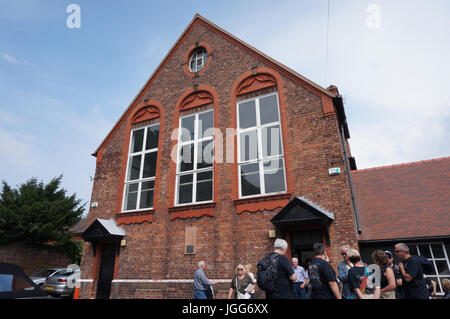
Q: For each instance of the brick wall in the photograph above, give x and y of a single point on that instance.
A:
(33, 258)
(156, 250)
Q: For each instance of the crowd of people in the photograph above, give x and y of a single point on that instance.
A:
(355, 279)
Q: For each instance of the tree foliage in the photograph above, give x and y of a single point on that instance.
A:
(37, 213)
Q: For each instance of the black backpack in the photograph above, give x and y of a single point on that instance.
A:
(267, 273)
(427, 266)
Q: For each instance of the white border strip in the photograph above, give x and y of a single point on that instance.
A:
(165, 280)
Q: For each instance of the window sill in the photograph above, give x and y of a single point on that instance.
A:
(192, 211)
(135, 217)
(262, 203)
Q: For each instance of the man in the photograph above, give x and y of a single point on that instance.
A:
(322, 275)
(342, 273)
(299, 285)
(201, 284)
(413, 281)
(285, 274)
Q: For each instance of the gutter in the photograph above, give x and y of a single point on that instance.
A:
(343, 128)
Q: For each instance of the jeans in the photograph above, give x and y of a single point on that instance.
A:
(299, 293)
(199, 294)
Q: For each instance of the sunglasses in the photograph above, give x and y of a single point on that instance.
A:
(344, 254)
(240, 269)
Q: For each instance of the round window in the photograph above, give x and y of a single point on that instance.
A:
(198, 60)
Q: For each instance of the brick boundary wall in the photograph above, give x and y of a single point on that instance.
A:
(33, 258)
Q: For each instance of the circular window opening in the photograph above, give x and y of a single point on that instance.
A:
(198, 60)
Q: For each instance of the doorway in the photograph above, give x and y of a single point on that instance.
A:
(106, 272)
(302, 244)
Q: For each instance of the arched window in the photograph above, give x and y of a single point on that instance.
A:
(142, 159)
(260, 147)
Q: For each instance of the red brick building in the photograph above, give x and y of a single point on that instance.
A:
(155, 219)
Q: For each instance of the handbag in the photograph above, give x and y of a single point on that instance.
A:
(241, 295)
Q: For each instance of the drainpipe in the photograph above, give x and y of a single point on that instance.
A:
(352, 191)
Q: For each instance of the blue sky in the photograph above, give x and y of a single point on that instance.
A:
(62, 90)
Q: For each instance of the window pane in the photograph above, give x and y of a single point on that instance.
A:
(187, 128)
(131, 197)
(185, 194)
(150, 165)
(205, 124)
(148, 185)
(187, 158)
(274, 176)
(268, 109)
(250, 168)
(413, 249)
(442, 267)
(205, 154)
(146, 198)
(248, 146)
(138, 139)
(438, 251)
(247, 114)
(152, 137)
(250, 184)
(425, 250)
(204, 191)
(204, 176)
(186, 178)
(135, 167)
(271, 140)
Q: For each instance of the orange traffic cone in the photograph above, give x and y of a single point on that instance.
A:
(76, 294)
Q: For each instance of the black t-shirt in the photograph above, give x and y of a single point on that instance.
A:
(282, 283)
(415, 289)
(320, 274)
(355, 278)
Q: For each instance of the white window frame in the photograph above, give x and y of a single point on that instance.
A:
(260, 158)
(433, 260)
(200, 53)
(194, 172)
(141, 180)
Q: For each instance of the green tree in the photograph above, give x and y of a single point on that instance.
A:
(37, 213)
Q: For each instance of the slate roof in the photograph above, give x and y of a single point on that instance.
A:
(404, 201)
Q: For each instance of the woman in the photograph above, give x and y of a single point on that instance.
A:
(241, 285)
(387, 281)
(446, 288)
(358, 275)
(248, 271)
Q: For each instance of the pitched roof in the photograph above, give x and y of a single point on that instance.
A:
(266, 59)
(404, 201)
(79, 227)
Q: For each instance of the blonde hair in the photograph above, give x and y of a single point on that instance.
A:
(446, 284)
(249, 267)
(240, 266)
(353, 255)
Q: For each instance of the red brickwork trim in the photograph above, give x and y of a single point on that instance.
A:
(262, 203)
(190, 211)
(135, 217)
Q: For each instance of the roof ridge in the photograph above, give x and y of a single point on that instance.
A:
(402, 164)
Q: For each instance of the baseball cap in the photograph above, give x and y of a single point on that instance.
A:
(387, 252)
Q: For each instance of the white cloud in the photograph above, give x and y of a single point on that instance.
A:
(9, 58)
(17, 150)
